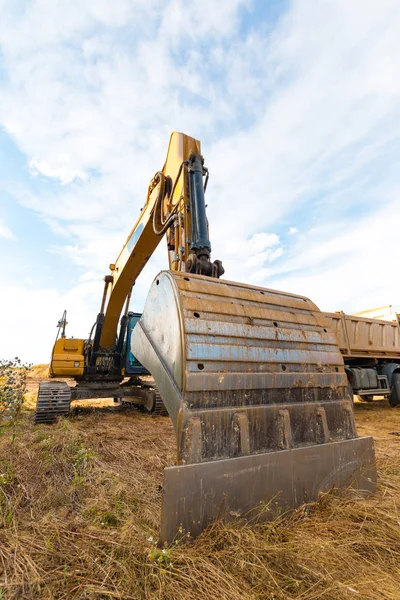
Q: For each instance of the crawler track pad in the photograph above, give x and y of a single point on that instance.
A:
(196, 495)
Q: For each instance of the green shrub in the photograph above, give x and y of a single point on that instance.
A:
(13, 374)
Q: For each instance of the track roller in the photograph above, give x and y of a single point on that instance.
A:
(152, 405)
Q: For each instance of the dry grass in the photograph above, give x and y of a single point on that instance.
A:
(81, 500)
(39, 371)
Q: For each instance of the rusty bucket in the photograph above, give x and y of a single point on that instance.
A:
(255, 385)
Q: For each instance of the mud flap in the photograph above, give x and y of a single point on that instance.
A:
(261, 486)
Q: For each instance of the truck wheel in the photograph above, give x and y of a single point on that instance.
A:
(350, 391)
(394, 398)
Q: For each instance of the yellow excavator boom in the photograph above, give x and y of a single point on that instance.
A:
(143, 240)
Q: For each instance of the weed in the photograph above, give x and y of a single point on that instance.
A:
(78, 480)
(42, 438)
(162, 558)
(7, 472)
(82, 456)
(134, 504)
(9, 517)
(108, 519)
(13, 374)
(118, 505)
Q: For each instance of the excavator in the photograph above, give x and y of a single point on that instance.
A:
(252, 378)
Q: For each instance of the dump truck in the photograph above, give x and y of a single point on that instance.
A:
(252, 378)
(371, 353)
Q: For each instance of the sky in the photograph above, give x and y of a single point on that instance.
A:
(296, 104)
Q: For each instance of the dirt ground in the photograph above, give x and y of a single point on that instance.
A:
(80, 511)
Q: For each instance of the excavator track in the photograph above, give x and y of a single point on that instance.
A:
(153, 404)
(53, 401)
(159, 409)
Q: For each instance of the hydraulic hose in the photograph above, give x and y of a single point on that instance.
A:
(160, 225)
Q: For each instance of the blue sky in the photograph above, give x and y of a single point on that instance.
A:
(297, 106)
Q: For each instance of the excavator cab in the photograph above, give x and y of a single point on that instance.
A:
(252, 378)
(132, 365)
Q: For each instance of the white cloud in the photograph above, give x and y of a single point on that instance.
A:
(258, 261)
(29, 316)
(329, 116)
(64, 174)
(259, 277)
(260, 241)
(300, 123)
(94, 100)
(348, 266)
(5, 232)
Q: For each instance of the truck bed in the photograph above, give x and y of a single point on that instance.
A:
(365, 337)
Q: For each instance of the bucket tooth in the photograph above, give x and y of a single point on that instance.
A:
(285, 429)
(242, 432)
(254, 383)
(322, 425)
(193, 440)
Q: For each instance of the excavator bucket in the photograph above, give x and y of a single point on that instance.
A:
(254, 383)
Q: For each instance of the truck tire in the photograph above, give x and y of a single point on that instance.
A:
(350, 390)
(394, 398)
(368, 398)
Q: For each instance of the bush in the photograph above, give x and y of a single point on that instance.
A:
(13, 375)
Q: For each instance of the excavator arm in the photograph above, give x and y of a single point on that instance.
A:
(167, 211)
(174, 208)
